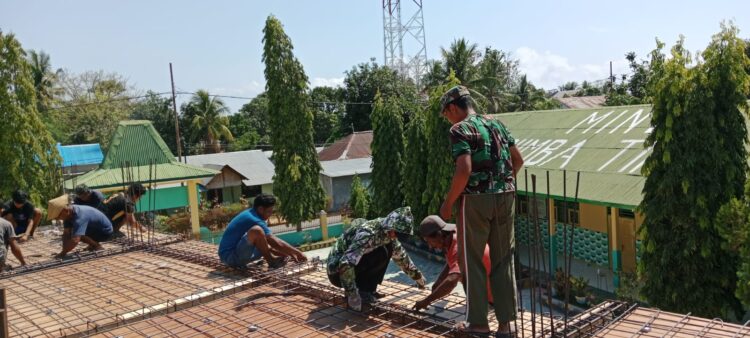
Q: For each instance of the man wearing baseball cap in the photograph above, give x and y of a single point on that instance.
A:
(81, 223)
(442, 236)
(487, 161)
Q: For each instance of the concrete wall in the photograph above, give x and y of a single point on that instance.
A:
(593, 217)
(341, 188)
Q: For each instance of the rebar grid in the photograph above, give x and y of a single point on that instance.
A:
(645, 322)
(284, 305)
(42, 253)
(80, 297)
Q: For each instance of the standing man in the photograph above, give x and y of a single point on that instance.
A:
(8, 240)
(120, 207)
(247, 238)
(442, 236)
(22, 215)
(359, 258)
(487, 162)
(86, 196)
(81, 223)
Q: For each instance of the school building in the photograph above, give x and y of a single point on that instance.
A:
(605, 146)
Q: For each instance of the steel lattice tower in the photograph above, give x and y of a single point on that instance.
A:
(396, 34)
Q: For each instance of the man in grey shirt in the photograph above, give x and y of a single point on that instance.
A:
(8, 240)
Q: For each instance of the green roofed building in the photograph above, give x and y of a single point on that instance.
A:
(606, 146)
(138, 154)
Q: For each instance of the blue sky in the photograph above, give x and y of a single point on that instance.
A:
(216, 45)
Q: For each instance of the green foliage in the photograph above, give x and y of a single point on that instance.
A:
(733, 222)
(414, 179)
(440, 164)
(527, 97)
(250, 124)
(93, 104)
(632, 89)
(296, 180)
(207, 121)
(359, 199)
(158, 110)
(569, 86)
(214, 219)
(328, 103)
(387, 156)
(361, 84)
(588, 89)
(28, 157)
(45, 81)
(698, 164)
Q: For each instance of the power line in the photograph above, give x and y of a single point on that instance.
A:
(119, 99)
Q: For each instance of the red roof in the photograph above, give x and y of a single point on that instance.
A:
(353, 146)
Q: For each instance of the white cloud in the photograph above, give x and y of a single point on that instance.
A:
(327, 82)
(549, 70)
(250, 89)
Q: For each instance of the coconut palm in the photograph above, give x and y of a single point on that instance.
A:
(461, 58)
(209, 120)
(44, 78)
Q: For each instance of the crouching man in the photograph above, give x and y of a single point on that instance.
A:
(442, 236)
(359, 258)
(248, 238)
(8, 241)
(81, 223)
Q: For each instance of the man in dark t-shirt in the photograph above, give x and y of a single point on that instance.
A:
(86, 196)
(22, 215)
(120, 207)
(81, 223)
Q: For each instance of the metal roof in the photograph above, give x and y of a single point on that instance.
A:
(582, 102)
(80, 154)
(135, 147)
(604, 144)
(340, 168)
(253, 164)
(355, 145)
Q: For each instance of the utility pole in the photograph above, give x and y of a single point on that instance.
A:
(176, 117)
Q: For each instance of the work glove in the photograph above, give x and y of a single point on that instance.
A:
(421, 282)
(354, 300)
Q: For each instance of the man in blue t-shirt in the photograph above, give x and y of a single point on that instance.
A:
(81, 223)
(247, 238)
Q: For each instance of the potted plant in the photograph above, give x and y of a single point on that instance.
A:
(559, 283)
(579, 286)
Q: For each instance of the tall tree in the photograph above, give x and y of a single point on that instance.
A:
(250, 124)
(387, 155)
(296, 180)
(495, 76)
(209, 121)
(158, 110)
(328, 107)
(28, 157)
(440, 165)
(92, 105)
(733, 222)
(461, 58)
(44, 79)
(698, 163)
(414, 180)
(361, 84)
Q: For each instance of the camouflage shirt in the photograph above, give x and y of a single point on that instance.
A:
(363, 237)
(488, 142)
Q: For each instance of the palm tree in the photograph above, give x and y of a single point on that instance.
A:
(209, 121)
(462, 58)
(494, 77)
(44, 78)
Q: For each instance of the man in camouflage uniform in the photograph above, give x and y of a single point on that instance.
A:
(487, 161)
(359, 258)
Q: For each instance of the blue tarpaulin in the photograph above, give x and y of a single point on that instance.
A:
(80, 154)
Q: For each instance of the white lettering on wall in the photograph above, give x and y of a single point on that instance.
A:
(543, 153)
(592, 121)
(630, 144)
